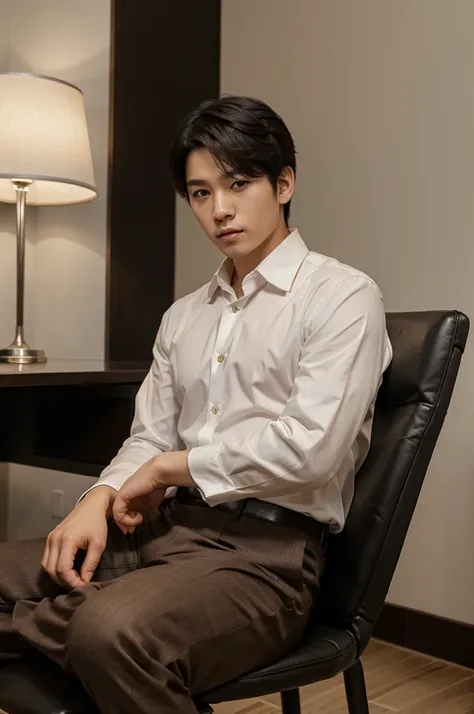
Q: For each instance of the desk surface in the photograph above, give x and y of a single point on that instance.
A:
(66, 372)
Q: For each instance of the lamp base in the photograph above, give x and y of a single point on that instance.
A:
(21, 355)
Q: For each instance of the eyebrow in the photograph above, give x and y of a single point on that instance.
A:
(203, 182)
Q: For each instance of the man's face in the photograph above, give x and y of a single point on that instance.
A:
(237, 214)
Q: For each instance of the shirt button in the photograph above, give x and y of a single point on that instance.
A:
(234, 308)
(215, 410)
(221, 358)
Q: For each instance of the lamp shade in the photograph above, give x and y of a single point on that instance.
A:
(44, 138)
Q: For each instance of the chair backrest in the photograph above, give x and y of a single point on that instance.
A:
(409, 414)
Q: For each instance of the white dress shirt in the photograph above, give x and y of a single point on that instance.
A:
(273, 393)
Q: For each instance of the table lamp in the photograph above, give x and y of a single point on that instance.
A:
(45, 160)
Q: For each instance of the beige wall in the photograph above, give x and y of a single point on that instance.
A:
(5, 336)
(71, 41)
(65, 281)
(7, 218)
(379, 96)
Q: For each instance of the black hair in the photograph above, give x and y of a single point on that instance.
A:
(243, 134)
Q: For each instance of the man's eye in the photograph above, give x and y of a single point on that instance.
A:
(201, 193)
(240, 183)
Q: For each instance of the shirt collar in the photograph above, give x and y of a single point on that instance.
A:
(279, 267)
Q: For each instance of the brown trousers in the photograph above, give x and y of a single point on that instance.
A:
(194, 598)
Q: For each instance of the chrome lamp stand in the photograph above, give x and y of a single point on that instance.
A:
(18, 351)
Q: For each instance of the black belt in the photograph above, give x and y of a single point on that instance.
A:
(255, 508)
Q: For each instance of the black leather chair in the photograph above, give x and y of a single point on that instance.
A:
(410, 411)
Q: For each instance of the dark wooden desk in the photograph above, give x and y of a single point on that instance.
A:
(67, 415)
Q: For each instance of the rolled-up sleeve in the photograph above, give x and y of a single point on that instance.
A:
(343, 354)
(154, 427)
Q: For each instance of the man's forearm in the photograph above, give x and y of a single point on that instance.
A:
(102, 494)
(172, 469)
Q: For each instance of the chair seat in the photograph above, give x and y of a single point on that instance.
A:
(35, 685)
(323, 653)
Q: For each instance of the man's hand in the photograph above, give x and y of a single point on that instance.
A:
(145, 490)
(84, 528)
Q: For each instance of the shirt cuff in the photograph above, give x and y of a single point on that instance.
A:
(203, 465)
(99, 483)
(169, 493)
(113, 483)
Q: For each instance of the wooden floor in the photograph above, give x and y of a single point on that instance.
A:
(397, 681)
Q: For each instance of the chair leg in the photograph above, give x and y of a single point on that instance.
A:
(356, 693)
(290, 702)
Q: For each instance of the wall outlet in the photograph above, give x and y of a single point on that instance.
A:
(57, 503)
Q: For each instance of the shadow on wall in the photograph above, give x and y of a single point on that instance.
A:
(70, 242)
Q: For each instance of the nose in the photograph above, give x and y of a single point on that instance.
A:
(222, 206)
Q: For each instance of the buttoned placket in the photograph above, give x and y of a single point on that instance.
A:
(232, 308)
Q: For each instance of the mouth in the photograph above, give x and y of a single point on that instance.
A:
(228, 235)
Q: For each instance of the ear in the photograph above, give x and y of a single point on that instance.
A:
(286, 185)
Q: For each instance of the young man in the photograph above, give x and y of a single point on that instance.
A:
(258, 406)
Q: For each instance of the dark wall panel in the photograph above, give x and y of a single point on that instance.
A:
(165, 59)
